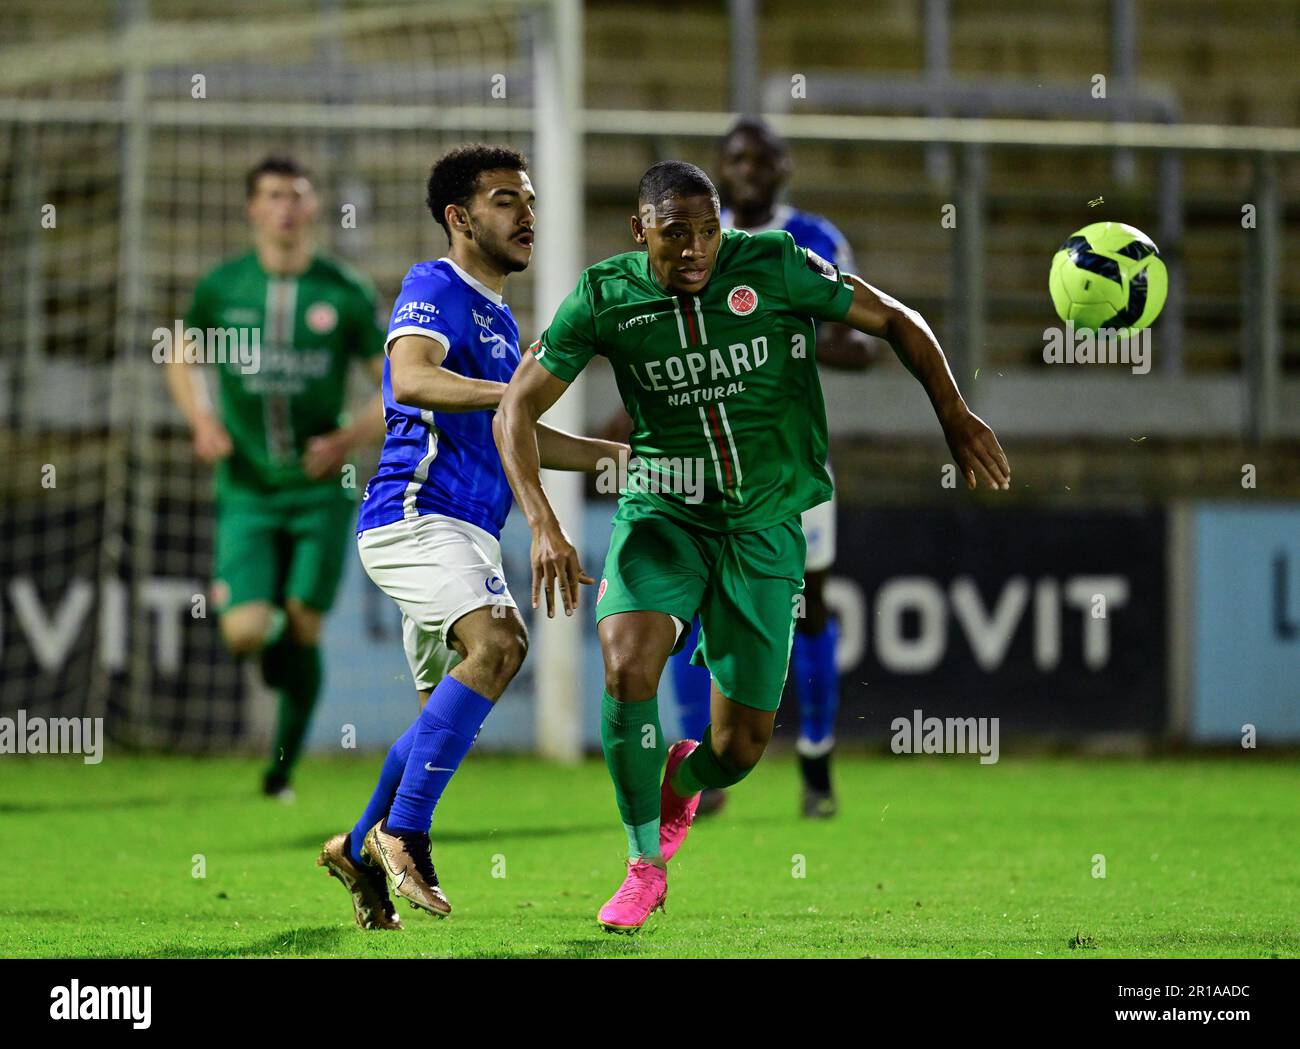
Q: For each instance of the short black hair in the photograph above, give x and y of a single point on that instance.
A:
(454, 177)
(275, 164)
(760, 129)
(675, 178)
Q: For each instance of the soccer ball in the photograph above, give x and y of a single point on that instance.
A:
(1108, 275)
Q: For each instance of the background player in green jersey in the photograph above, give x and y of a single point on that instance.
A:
(279, 438)
(711, 337)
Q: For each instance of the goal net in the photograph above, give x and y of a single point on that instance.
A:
(125, 134)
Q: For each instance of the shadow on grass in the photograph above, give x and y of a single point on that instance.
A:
(291, 943)
(606, 945)
(100, 804)
(314, 840)
(19, 808)
(337, 942)
(508, 833)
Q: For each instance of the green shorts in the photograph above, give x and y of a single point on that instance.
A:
(744, 585)
(281, 545)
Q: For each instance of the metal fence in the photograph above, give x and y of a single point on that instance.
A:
(97, 568)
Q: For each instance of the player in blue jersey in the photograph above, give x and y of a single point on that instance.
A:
(431, 517)
(753, 167)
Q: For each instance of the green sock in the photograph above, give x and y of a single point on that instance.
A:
(703, 768)
(295, 671)
(633, 744)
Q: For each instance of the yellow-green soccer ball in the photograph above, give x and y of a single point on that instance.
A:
(1108, 275)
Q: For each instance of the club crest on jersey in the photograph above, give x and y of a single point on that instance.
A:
(495, 584)
(322, 318)
(743, 300)
(600, 592)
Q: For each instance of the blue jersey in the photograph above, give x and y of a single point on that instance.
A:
(809, 231)
(445, 462)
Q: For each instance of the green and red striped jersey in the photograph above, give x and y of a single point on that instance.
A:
(723, 382)
(308, 329)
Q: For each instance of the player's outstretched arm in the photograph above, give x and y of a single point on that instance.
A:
(420, 380)
(560, 450)
(563, 450)
(973, 444)
(530, 392)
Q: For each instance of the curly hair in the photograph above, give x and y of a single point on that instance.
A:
(454, 177)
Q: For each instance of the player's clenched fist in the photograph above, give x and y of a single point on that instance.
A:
(211, 441)
(976, 450)
(325, 454)
(556, 561)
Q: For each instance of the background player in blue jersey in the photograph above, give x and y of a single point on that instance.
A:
(431, 517)
(754, 165)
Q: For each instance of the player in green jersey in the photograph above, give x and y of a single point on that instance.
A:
(282, 325)
(711, 335)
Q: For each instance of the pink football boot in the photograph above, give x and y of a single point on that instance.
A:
(675, 813)
(642, 893)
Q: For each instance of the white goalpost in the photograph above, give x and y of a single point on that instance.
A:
(137, 136)
(559, 163)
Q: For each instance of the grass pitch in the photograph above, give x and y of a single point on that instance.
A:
(928, 858)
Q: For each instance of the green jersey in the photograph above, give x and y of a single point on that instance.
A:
(728, 422)
(297, 336)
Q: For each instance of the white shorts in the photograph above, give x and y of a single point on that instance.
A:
(819, 530)
(437, 569)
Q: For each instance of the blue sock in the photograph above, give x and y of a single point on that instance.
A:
(380, 801)
(817, 684)
(444, 732)
(692, 685)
